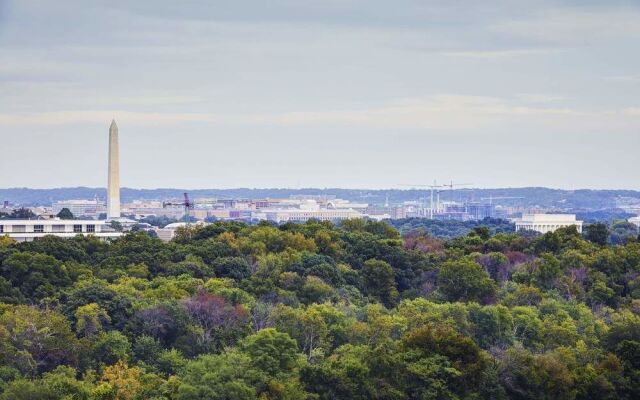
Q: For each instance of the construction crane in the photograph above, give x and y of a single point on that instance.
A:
(187, 204)
(432, 188)
(450, 186)
(492, 198)
(437, 188)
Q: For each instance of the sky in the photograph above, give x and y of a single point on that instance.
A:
(327, 93)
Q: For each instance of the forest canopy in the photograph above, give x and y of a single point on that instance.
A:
(316, 311)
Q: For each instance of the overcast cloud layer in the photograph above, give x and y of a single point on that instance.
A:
(331, 93)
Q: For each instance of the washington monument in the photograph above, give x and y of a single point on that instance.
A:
(113, 188)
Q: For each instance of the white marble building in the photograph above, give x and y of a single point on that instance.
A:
(544, 223)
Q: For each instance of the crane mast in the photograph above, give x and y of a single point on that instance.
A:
(187, 204)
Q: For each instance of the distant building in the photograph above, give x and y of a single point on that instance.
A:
(6, 208)
(79, 208)
(339, 204)
(544, 223)
(635, 221)
(23, 230)
(168, 232)
(219, 214)
(480, 211)
(309, 209)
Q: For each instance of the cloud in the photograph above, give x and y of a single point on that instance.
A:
(623, 78)
(634, 111)
(84, 117)
(443, 112)
(571, 26)
(507, 53)
(540, 97)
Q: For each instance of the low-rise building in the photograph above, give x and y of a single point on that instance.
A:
(544, 223)
(25, 230)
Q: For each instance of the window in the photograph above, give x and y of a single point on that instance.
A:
(77, 229)
(1, 228)
(38, 228)
(91, 228)
(19, 228)
(57, 228)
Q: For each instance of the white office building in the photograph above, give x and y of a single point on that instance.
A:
(309, 209)
(79, 208)
(544, 223)
(23, 230)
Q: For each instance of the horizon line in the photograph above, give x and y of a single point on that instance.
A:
(322, 188)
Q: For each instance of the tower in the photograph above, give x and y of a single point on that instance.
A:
(113, 187)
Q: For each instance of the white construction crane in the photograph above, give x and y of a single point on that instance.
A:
(436, 187)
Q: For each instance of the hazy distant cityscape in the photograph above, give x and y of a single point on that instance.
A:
(162, 215)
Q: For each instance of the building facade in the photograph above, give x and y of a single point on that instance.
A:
(22, 230)
(544, 223)
(308, 209)
(79, 208)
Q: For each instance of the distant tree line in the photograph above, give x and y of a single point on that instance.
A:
(447, 229)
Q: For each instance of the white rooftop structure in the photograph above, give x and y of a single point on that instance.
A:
(342, 204)
(544, 223)
(635, 221)
(25, 230)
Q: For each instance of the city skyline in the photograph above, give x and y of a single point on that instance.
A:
(352, 95)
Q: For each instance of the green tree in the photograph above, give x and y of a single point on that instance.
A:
(547, 270)
(344, 376)
(65, 213)
(60, 383)
(528, 376)
(36, 341)
(272, 352)
(90, 319)
(116, 225)
(378, 280)
(219, 377)
(110, 347)
(465, 280)
(21, 213)
(315, 290)
(36, 275)
(597, 233)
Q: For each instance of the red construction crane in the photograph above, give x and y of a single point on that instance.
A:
(187, 204)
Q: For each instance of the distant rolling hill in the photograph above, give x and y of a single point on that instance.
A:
(585, 199)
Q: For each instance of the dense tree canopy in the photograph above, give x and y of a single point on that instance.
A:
(316, 311)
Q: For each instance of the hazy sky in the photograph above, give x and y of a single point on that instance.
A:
(327, 93)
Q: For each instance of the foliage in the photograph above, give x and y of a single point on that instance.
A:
(65, 213)
(317, 311)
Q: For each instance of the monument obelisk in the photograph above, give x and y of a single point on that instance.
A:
(113, 187)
